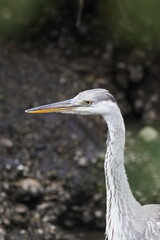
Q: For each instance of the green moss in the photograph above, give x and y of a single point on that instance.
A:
(16, 16)
(129, 22)
(143, 169)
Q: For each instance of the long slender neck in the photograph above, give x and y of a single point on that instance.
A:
(121, 204)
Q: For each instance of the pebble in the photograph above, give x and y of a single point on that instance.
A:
(69, 223)
(52, 228)
(17, 218)
(17, 234)
(20, 208)
(148, 134)
(6, 142)
(6, 221)
(44, 205)
(136, 73)
(98, 213)
(49, 227)
(2, 233)
(31, 185)
(40, 231)
(20, 167)
(82, 162)
(23, 231)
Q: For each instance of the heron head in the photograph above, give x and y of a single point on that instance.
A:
(94, 101)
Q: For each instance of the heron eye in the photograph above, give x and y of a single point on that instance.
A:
(88, 102)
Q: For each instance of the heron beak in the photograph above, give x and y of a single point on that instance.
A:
(64, 106)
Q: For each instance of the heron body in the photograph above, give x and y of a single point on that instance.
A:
(126, 219)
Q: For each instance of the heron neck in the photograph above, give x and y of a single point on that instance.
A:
(121, 203)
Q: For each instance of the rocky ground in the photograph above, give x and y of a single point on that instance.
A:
(52, 165)
(46, 174)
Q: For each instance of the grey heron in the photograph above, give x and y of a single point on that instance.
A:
(126, 218)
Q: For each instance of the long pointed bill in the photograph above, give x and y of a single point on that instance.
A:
(64, 106)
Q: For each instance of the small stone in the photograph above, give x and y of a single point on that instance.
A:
(6, 221)
(23, 231)
(52, 228)
(20, 208)
(5, 185)
(62, 80)
(98, 214)
(40, 231)
(31, 185)
(83, 162)
(8, 166)
(97, 197)
(2, 231)
(69, 223)
(44, 205)
(136, 73)
(17, 218)
(6, 142)
(94, 160)
(2, 210)
(3, 194)
(20, 168)
(148, 134)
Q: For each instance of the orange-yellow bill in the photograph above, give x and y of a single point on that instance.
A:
(54, 107)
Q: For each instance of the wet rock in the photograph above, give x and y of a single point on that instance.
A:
(27, 191)
(48, 227)
(69, 223)
(20, 167)
(31, 185)
(98, 214)
(2, 233)
(44, 206)
(20, 208)
(6, 142)
(40, 231)
(18, 219)
(82, 162)
(18, 235)
(136, 73)
(148, 133)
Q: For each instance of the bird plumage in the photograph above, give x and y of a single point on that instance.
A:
(126, 219)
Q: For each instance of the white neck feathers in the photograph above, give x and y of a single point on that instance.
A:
(120, 201)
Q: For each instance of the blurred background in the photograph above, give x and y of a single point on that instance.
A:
(52, 181)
